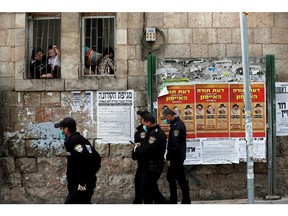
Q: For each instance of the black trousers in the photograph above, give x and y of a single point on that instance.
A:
(137, 184)
(176, 173)
(149, 187)
(79, 197)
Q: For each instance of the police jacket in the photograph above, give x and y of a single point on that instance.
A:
(139, 137)
(79, 162)
(176, 149)
(140, 134)
(154, 145)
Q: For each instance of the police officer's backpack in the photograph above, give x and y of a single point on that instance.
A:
(94, 157)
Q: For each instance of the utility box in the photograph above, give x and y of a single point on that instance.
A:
(150, 34)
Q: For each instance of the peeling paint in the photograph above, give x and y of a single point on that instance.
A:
(49, 136)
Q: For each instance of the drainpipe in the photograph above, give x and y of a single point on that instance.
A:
(248, 114)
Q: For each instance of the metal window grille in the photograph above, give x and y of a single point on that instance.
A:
(97, 35)
(44, 31)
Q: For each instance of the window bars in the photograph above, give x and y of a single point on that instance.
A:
(44, 31)
(98, 38)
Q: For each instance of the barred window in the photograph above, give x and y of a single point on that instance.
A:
(98, 46)
(44, 46)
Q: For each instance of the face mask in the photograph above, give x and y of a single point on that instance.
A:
(145, 128)
(166, 121)
(62, 136)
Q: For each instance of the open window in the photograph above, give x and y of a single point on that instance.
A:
(98, 44)
(44, 51)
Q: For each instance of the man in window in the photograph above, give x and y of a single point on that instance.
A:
(107, 66)
(38, 63)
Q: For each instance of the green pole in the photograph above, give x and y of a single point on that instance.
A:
(271, 130)
(151, 81)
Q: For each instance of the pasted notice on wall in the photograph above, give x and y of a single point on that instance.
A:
(115, 116)
(281, 109)
(82, 102)
(220, 151)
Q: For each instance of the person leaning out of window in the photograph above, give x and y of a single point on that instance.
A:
(38, 63)
(107, 66)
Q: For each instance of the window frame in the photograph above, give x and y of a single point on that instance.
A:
(82, 54)
(29, 45)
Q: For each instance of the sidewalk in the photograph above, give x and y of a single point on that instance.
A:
(282, 200)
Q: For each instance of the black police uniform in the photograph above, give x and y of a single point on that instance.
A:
(79, 169)
(176, 154)
(139, 137)
(152, 152)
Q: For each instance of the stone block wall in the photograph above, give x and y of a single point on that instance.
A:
(33, 173)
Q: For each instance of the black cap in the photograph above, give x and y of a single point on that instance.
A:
(66, 122)
(142, 113)
(164, 107)
(188, 106)
(222, 105)
(199, 105)
(258, 105)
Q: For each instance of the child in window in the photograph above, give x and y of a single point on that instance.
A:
(53, 62)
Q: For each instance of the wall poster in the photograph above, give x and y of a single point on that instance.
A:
(115, 116)
(281, 108)
(214, 117)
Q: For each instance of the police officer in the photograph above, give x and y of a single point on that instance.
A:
(81, 172)
(139, 136)
(152, 152)
(176, 154)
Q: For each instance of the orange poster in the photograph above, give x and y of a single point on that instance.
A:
(180, 99)
(237, 114)
(215, 110)
(212, 107)
(258, 109)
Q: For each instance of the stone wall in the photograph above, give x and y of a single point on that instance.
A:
(33, 173)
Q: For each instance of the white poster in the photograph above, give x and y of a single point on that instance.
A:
(242, 149)
(220, 151)
(259, 149)
(115, 116)
(281, 109)
(76, 96)
(193, 152)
